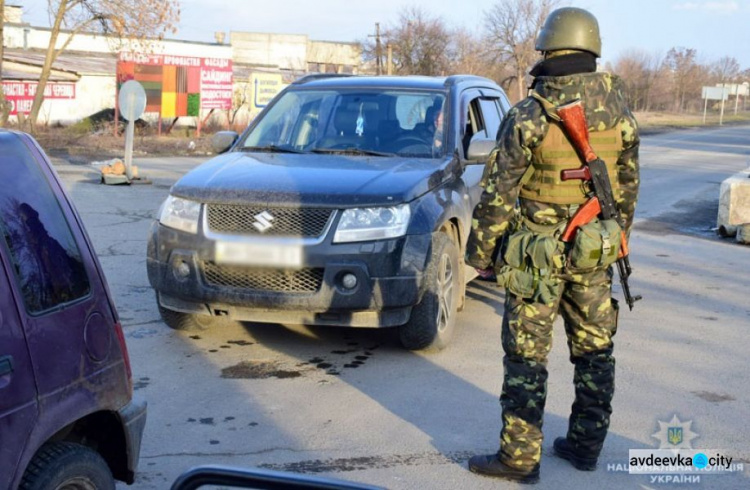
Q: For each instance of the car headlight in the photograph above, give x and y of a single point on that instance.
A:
(180, 214)
(357, 225)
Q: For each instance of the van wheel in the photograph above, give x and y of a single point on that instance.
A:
(434, 318)
(67, 466)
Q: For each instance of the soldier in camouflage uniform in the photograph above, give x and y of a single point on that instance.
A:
(525, 201)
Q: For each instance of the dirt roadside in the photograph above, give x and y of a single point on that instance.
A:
(83, 147)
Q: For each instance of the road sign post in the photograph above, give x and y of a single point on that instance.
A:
(714, 93)
(132, 102)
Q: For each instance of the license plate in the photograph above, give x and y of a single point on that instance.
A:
(260, 255)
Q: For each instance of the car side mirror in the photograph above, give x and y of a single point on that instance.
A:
(479, 151)
(223, 140)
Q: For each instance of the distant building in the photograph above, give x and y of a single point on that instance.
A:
(294, 52)
(84, 75)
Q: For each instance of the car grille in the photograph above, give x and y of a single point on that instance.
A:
(256, 279)
(290, 222)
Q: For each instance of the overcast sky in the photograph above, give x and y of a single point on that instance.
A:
(715, 28)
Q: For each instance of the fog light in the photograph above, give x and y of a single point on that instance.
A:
(182, 269)
(349, 281)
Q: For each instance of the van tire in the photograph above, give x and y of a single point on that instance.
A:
(59, 463)
(433, 320)
(187, 322)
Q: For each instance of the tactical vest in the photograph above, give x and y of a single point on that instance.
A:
(542, 180)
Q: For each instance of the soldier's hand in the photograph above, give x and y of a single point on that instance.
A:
(486, 273)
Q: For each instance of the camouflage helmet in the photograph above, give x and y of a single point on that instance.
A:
(570, 28)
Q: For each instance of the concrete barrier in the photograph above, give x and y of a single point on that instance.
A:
(734, 203)
(743, 234)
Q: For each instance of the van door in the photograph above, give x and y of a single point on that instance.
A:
(18, 406)
(69, 325)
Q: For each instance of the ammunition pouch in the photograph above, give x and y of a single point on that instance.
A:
(532, 257)
(596, 244)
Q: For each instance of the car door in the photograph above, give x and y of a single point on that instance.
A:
(68, 321)
(18, 404)
(481, 120)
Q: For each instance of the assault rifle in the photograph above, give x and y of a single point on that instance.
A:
(601, 202)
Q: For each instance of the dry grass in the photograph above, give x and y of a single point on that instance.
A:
(82, 145)
(665, 121)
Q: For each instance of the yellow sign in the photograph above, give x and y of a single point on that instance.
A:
(263, 88)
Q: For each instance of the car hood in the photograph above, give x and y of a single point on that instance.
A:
(311, 179)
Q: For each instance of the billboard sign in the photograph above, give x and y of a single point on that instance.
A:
(715, 93)
(21, 94)
(264, 87)
(736, 89)
(179, 85)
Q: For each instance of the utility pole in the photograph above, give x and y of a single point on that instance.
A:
(390, 59)
(378, 50)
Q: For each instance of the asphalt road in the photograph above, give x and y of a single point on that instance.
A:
(352, 404)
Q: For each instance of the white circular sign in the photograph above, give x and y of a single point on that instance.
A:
(132, 100)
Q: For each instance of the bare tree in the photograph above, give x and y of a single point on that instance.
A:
(727, 69)
(421, 44)
(682, 62)
(470, 56)
(240, 100)
(639, 71)
(136, 20)
(511, 29)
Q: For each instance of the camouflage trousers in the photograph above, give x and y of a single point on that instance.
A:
(590, 314)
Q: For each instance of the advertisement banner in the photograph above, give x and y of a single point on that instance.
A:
(264, 87)
(21, 94)
(216, 83)
(179, 85)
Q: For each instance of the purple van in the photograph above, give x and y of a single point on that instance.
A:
(68, 419)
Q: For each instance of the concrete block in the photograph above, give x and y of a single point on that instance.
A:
(743, 234)
(734, 203)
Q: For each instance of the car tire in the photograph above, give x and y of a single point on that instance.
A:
(187, 322)
(66, 465)
(432, 321)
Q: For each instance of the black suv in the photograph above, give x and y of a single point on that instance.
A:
(346, 202)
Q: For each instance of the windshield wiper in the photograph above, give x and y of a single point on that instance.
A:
(353, 151)
(272, 149)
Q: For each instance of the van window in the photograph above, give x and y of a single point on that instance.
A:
(46, 260)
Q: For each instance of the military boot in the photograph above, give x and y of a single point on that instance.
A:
(565, 450)
(490, 465)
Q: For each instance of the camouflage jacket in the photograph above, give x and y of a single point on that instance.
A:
(524, 127)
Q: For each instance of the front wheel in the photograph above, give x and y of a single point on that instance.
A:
(433, 320)
(67, 466)
(188, 322)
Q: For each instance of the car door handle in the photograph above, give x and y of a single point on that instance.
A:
(6, 365)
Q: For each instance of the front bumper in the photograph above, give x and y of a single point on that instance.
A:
(389, 277)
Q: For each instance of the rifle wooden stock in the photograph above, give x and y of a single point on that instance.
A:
(574, 122)
(602, 201)
(587, 212)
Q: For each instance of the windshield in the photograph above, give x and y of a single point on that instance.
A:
(362, 121)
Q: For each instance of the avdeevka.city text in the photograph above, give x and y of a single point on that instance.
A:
(647, 461)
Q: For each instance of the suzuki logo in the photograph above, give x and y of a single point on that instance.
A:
(263, 221)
